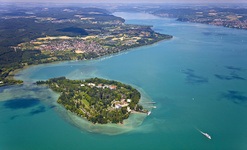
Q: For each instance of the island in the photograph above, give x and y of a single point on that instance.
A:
(97, 100)
(39, 35)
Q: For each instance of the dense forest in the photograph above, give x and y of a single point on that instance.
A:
(98, 100)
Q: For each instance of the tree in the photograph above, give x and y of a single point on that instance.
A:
(124, 110)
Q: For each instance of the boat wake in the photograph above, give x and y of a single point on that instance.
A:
(205, 134)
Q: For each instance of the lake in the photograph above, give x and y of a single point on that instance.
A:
(197, 79)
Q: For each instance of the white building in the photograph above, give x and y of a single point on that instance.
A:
(91, 84)
(82, 84)
(105, 86)
(1, 82)
(118, 106)
(128, 100)
(128, 109)
(99, 86)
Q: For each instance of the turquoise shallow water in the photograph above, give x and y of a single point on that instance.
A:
(198, 80)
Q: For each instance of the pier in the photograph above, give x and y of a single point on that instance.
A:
(147, 102)
(150, 107)
(145, 107)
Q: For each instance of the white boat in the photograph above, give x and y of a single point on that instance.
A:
(207, 135)
(149, 112)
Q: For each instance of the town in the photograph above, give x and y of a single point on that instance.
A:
(79, 46)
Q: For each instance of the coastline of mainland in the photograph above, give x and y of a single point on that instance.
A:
(14, 72)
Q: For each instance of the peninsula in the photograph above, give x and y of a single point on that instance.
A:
(97, 100)
(32, 36)
(220, 16)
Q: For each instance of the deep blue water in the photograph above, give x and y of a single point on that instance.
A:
(197, 79)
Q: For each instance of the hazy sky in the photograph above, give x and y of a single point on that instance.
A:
(131, 1)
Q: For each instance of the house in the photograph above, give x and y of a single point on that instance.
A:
(112, 87)
(128, 100)
(106, 86)
(123, 104)
(128, 109)
(82, 84)
(1, 82)
(122, 100)
(118, 106)
(91, 84)
(99, 86)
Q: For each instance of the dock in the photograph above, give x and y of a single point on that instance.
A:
(150, 107)
(147, 102)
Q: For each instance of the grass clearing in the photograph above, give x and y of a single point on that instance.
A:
(86, 103)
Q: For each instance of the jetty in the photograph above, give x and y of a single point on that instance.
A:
(147, 102)
(150, 107)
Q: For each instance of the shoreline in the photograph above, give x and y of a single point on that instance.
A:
(101, 128)
(177, 19)
(12, 74)
(83, 123)
(126, 122)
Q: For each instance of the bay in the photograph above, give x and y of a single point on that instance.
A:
(197, 79)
